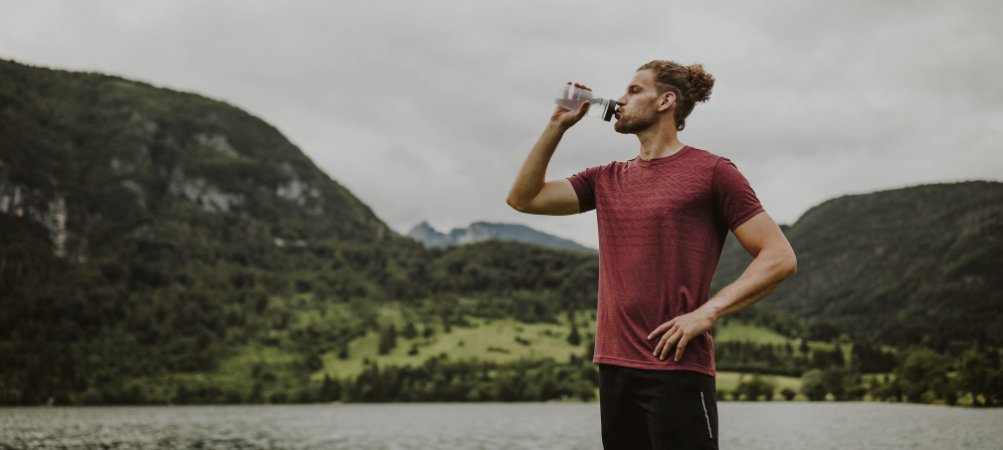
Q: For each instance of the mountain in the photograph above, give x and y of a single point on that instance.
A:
(898, 266)
(480, 231)
(94, 157)
(159, 245)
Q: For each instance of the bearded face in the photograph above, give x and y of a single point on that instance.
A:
(638, 120)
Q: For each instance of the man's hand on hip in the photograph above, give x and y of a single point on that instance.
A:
(773, 261)
(680, 331)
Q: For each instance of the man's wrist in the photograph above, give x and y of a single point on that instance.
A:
(713, 310)
(557, 127)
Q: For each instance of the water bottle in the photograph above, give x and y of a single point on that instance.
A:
(571, 97)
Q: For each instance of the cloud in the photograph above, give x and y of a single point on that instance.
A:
(425, 110)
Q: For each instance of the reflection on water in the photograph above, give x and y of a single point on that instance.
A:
(484, 426)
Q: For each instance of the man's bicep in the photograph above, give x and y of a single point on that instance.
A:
(760, 232)
(557, 198)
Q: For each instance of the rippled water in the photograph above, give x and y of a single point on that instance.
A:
(485, 426)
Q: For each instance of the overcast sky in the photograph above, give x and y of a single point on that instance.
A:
(425, 110)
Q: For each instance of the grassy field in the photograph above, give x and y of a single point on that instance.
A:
(492, 340)
(499, 340)
(735, 330)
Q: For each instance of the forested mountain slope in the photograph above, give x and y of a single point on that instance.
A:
(148, 232)
(898, 266)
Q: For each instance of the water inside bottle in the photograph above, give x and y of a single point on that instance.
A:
(602, 108)
(571, 97)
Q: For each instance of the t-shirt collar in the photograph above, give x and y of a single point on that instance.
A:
(641, 162)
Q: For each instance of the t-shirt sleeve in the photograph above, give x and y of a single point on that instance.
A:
(734, 198)
(584, 183)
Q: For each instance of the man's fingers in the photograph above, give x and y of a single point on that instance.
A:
(661, 342)
(661, 329)
(665, 337)
(581, 110)
(668, 344)
(680, 346)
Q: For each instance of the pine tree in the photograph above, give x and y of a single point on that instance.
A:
(386, 341)
(409, 331)
(574, 338)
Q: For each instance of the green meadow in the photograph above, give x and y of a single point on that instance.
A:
(501, 340)
(495, 340)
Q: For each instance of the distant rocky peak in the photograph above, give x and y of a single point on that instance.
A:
(424, 233)
(481, 231)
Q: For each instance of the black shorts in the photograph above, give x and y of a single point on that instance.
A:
(657, 409)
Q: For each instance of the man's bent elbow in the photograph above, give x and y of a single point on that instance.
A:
(516, 204)
(790, 265)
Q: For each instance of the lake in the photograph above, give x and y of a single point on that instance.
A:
(774, 426)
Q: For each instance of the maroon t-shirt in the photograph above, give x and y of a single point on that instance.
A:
(662, 224)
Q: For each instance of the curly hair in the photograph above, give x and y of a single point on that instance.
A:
(691, 84)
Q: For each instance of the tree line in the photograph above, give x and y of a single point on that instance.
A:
(787, 359)
(921, 375)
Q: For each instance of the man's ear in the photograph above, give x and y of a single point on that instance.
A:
(668, 99)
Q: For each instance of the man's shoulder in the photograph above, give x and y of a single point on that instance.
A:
(702, 155)
(609, 168)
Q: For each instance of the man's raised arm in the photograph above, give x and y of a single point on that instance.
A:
(531, 193)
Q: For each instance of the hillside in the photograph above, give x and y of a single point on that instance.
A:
(149, 233)
(94, 157)
(480, 231)
(898, 266)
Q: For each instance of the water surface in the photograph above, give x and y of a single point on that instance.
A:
(755, 426)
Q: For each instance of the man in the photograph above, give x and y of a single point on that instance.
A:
(663, 219)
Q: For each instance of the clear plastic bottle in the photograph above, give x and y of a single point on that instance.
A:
(571, 97)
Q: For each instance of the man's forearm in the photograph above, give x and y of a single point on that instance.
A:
(767, 271)
(532, 174)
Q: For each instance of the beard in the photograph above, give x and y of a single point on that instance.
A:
(637, 121)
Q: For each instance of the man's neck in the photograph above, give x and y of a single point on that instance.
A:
(659, 141)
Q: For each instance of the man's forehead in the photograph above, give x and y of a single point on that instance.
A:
(643, 78)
